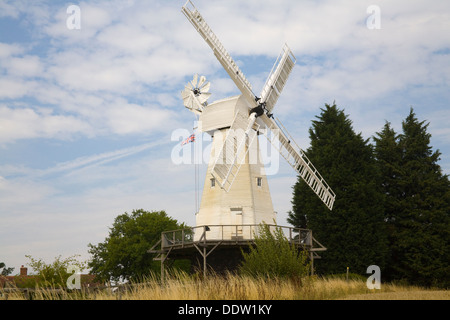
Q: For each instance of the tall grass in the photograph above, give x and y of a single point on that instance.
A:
(236, 287)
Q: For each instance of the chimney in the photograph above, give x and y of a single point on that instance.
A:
(23, 271)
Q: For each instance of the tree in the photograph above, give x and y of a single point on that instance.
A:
(417, 204)
(6, 271)
(123, 255)
(353, 232)
(389, 154)
(54, 274)
(274, 255)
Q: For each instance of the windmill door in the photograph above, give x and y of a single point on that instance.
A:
(236, 221)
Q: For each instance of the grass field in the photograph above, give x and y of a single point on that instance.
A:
(232, 287)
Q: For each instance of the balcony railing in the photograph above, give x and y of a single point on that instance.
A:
(229, 234)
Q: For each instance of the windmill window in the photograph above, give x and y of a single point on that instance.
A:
(237, 211)
(213, 183)
(259, 182)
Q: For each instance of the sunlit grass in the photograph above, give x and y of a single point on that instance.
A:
(234, 287)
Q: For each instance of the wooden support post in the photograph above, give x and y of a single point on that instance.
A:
(204, 262)
(204, 253)
(163, 259)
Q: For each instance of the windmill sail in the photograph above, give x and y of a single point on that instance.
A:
(298, 160)
(277, 78)
(242, 132)
(225, 173)
(233, 152)
(219, 50)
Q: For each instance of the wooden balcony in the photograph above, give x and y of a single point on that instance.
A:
(185, 243)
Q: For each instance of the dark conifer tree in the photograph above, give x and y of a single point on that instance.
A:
(417, 207)
(389, 154)
(354, 231)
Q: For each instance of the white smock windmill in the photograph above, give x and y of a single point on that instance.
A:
(236, 190)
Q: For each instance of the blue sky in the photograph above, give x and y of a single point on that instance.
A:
(86, 115)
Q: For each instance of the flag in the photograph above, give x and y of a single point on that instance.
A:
(189, 140)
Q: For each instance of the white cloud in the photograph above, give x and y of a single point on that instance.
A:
(97, 159)
(8, 10)
(28, 124)
(439, 126)
(7, 50)
(19, 196)
(78, 70)
(27, 66)
(130, 39)
(126, 119)
(93, 18)
(12, 89)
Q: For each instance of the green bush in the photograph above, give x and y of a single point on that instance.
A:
(274, 256)
(54, 274)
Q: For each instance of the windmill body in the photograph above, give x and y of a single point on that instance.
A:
(236, 191)
(248, 202)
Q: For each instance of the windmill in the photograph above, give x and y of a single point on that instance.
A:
(236, 190)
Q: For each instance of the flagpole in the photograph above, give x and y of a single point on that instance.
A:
(196, 169)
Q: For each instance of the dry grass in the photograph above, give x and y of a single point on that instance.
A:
(403, 295)
(183, 287)
(233, 287)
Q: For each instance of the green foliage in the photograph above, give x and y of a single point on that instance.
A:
(5, 271)
(123, 255)
(54, 274)
(354, 231)
(274, 256)
(392, 204)
(417, 209)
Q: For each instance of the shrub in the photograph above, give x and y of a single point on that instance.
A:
(274, 256)
(54, 274)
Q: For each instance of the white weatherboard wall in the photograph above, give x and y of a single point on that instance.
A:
(247, 202)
